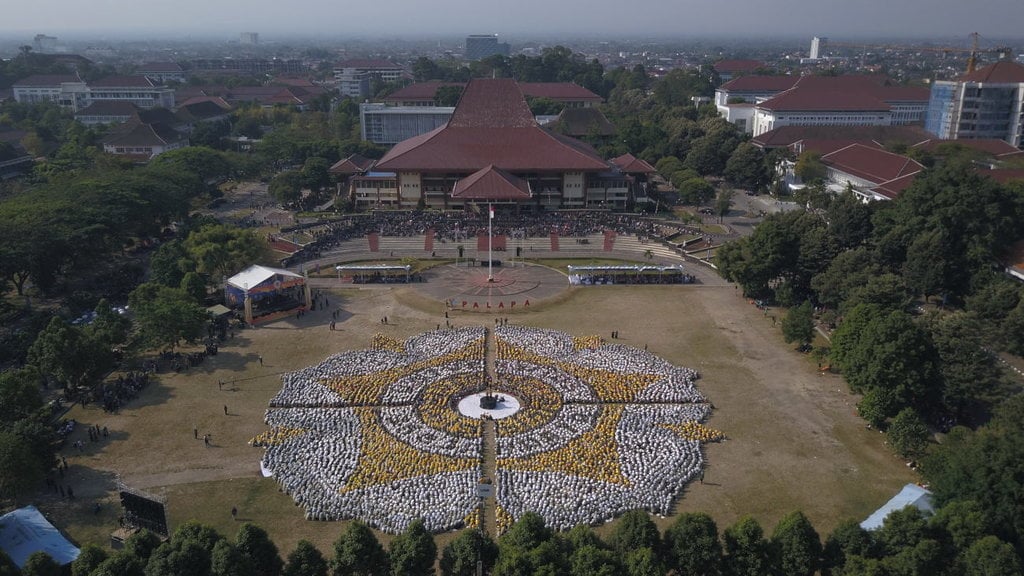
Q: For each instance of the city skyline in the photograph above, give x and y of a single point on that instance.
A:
(651, 18)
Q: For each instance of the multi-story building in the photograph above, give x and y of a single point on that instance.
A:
(479, 46)
(388, 125)
(249, 38)
(161, 72)
(353, 76)
(425, 93)
(986, 103)
(44, 44)
(138, 90)
(67, 91)
(410, 111)
(492, 129)
(758, 104)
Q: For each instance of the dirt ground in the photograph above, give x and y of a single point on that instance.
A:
(794, 440)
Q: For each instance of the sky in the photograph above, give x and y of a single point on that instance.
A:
(837, 19)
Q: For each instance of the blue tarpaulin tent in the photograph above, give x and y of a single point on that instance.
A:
(25, 531)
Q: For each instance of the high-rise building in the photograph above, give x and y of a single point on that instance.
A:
(480, 46)
(817, 47)
(44, 44)
(249, 38)
(986, 103)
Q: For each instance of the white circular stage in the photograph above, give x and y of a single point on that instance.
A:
(507, 406)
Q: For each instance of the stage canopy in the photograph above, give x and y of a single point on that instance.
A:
(25, 531)
(260, 282)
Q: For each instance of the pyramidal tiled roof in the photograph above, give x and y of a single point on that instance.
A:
(492, 124)
(491, 183)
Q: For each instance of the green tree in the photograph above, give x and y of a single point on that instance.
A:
(846, 541)
(694, 190)
(908, 434)
(169, 264)
(19, 394)
(746, 550)
(460, 556)
(89, 558)
(227, 560)
(254, 544)
(120, 564)
(798, 325)
(796, 545)
(990, 556)
(846, 272)
(286, 187)
(69, 355)
(194, 286)
(181, 557)
(413, 551)
(448, 95)
(525, 534)
(985, 466)
(809, 167)
(7, 566)
(315, 175)
(40, 564)
(358, 553)
(167, 316)
(142, 544)
(594, 561)
(723, 203)
(222, 250)
(746, 168)
(643, 562)
(963, 520)
(692, 545)
(109, 328)
(305, 560)
(635, 530)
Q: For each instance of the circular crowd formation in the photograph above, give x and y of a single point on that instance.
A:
(378, 434)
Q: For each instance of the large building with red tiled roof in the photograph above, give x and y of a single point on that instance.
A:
(758, 104)
(729, 69)
(870, 171)
(425, 93)
(986, 103)
(492, 126)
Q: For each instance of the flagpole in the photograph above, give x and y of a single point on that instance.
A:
(490, 259)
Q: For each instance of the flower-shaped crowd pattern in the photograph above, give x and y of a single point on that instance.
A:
(377, 435)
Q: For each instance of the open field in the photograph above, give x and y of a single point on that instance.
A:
(794, 440)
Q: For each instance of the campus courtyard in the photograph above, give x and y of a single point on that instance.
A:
(792, 439)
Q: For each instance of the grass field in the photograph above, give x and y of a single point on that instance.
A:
(794, 440)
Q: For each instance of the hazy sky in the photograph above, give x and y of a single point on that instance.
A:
(572, 18)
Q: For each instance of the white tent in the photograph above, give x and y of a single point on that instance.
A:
(255, 275)
(25, 531)
(911, 495)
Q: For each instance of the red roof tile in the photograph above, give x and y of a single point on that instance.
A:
(558, 91)
(497, 103)
(1004, 175)
(896, 186)
(354, 164)
(738, 65)
(491, 125)
(159, 67)
(799, 99)
(490, 183)
(872, 164)
(788, 135)
(424, 91)
(632, 165)
(1002, 72)
(991, 146)
(760, 83)
(827, 146)
(47, 80)
(123, 82)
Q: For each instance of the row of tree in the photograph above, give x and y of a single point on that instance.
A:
(958, 540)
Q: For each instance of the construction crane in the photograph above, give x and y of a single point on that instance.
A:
(972, 60)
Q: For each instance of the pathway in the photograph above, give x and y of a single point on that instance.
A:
(489, 445)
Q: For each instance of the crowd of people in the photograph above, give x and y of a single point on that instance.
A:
(463, 226)
(377, 435)
(111, 395)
